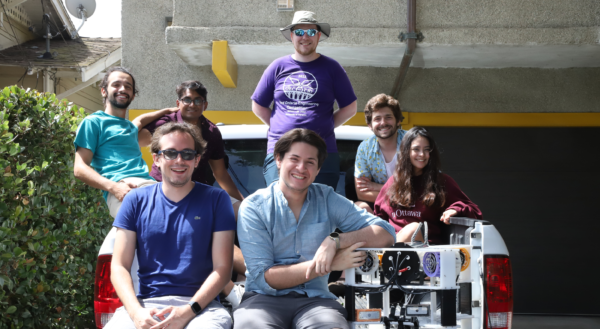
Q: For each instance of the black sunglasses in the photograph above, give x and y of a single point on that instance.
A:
(172, 154)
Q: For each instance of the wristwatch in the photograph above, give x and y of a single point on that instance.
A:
(196, 308)
(335, 236)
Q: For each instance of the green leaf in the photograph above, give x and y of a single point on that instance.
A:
(11, 310)
(35, 134)
(3, 278)
(18, 210)
(14, 149)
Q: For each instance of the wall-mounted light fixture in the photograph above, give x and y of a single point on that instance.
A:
(285, 5)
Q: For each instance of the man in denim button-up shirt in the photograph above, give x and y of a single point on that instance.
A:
(284, 236)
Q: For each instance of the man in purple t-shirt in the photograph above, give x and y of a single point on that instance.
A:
(303, 88)
(191, 104)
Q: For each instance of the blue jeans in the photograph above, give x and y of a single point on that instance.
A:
(328, 175)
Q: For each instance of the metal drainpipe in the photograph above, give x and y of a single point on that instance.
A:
(411, 38)
(48, 36)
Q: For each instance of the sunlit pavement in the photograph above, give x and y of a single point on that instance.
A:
(551, 322)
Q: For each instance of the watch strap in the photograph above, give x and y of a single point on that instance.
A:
(196, 308)
(335, 237)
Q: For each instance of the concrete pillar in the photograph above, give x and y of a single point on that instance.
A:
(48, 82)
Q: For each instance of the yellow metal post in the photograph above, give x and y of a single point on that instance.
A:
(223, 64)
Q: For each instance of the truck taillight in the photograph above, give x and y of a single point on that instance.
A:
(498, 292)
(106, 300)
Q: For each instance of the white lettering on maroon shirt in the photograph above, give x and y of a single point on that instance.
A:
(406, 213)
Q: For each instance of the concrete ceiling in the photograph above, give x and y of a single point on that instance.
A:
(426, 56)
(380, 47)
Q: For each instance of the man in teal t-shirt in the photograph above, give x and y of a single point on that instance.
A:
(107, 154)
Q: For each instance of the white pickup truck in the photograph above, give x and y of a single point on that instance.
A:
(483, 295)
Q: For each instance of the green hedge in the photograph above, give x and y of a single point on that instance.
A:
(51, 224)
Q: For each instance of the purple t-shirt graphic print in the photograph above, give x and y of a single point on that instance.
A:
(300, 86)
(303, 96)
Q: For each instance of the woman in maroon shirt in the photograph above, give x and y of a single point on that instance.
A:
(419, 192)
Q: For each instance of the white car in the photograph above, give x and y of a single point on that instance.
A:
(490, 276)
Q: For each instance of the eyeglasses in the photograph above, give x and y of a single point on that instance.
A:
(309, 32)
(172, 154)
(425, 150)
(188, 101)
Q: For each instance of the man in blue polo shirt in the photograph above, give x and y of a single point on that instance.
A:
(376, 156)
(183, 233)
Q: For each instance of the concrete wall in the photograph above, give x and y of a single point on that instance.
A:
(158, 69)
(392, 13)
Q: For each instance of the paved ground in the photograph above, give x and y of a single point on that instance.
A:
(555, 322)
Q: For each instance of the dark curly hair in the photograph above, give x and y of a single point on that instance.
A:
(380, 101)
(401, 192)
(104, 83)
(193, 85)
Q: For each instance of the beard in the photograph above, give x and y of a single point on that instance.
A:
(113, 101)
(307, 52)
(390, 135)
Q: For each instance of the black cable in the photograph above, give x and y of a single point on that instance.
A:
(400, 286)
(62, 36)
(22, 77)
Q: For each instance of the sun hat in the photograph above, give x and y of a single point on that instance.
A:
(306, 17)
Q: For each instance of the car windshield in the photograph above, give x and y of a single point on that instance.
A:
(246, 158)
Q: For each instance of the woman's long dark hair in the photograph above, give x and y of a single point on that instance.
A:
(401, 193)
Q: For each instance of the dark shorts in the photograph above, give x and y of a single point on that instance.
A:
(294, 310)
(328, 175)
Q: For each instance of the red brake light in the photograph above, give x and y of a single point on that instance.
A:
(106, 300)
(498, 292)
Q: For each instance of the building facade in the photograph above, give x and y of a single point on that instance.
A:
(510, 89)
